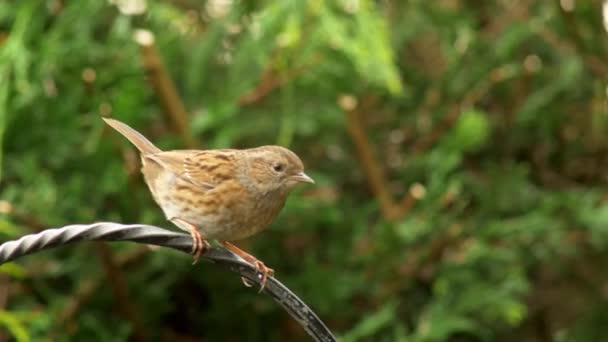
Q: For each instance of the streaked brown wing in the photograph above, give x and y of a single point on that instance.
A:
(202, 168)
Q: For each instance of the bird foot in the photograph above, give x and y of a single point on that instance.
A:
(199, 244)
(263, 271)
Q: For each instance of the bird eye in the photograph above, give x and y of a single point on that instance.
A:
(278, 167)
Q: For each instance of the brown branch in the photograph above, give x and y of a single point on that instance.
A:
(88, 287)
(4, 294)
(391, 209)
(371, 167)
(164, 87)
(572, 27)
(576, 43)
(4, 290)
(118, 284)
(438, 131)
(272, 79)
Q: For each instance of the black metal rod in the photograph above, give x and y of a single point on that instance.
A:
(109, 231)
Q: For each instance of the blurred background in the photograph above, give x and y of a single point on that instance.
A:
(459, 149)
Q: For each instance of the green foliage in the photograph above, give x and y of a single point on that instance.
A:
(488, 117)
(470, 132)
(14, 326)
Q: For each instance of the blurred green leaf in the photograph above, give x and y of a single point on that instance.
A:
(470, 132)
(14, 326)
(372, 323)
(14, 270)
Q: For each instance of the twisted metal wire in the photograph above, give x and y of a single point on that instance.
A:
(140, 233)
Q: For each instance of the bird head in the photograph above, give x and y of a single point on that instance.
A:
(274, 168)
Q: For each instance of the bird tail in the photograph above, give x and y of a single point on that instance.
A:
(143, 145)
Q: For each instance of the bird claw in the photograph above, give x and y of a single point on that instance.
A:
(264, 272)
(199, 246)
(246, 282)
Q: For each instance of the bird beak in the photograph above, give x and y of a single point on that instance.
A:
(302, 177)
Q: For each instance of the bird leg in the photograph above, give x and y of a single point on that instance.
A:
(259, 266)
(199, 244)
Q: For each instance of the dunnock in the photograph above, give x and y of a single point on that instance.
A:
(225, 195)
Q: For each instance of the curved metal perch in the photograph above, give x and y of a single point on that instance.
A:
(109, 231)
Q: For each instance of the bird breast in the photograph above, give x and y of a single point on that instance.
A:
(226, 212)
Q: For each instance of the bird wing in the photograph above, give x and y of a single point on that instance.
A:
(206, 169)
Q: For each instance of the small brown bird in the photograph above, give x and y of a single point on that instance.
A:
(224, 195)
